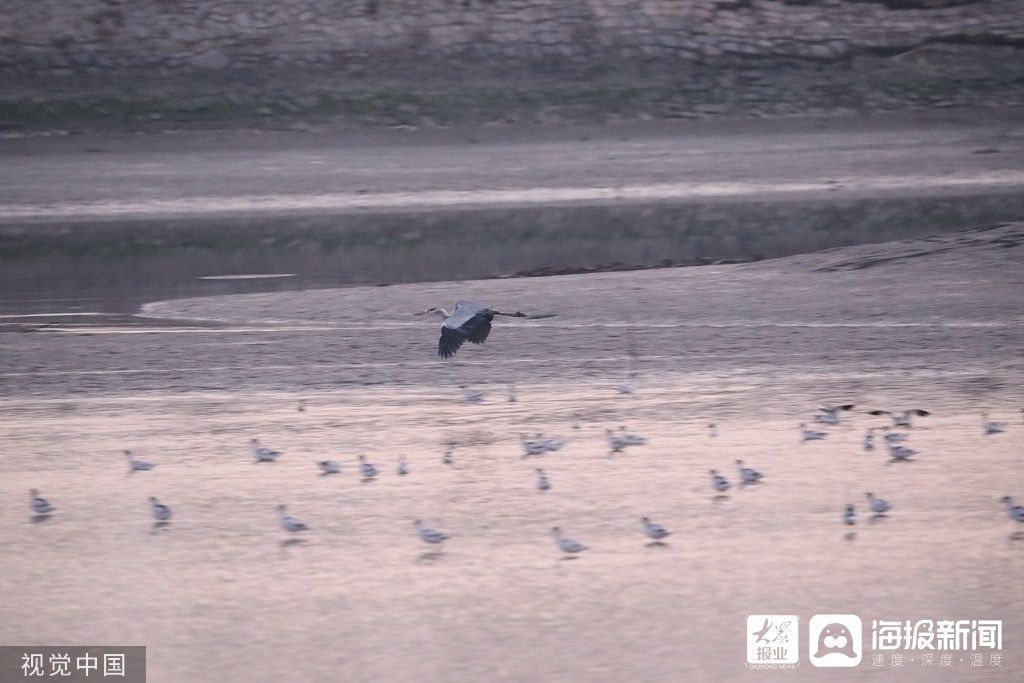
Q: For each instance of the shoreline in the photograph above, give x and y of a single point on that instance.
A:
(318, 132)
(571, 198)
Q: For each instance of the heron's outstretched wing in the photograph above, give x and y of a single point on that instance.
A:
(463, 313)
(449, 342)
(478, 333)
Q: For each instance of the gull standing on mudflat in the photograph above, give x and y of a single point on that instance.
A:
(542, 480)
(615, 442)
(712, 430)
(897, 452)
(468, 322)
(552, 444)
(626, 388)
(429, 535)
(878, 506)
(991, 426)
(895, 437)
(565, 544)
(366, 469)
(849, 515)
(903, 419)
(655, 532)
(262, 454)
(532, 446)
(869, 440)
(1016, 512)
(718, 482)
(449, 457)
(40, 506)
(137, 465)
(161, 513)
(402, 469)
(471, 395)
(289, 524)
(328, 467)
(631, 439)
(809, 434)
(748, 475)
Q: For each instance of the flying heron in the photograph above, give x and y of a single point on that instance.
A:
(468, 321)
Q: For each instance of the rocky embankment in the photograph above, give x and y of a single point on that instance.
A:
(423, 62)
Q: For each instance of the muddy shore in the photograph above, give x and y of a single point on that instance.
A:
(756, 347)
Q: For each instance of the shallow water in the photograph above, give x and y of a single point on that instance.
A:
(755, 348)
(527, 196)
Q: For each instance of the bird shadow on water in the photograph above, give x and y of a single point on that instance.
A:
(566, 558)
(875, 519)
(720, 498)
(160, 526)
(39, 519)
(656, 544)
(429, 557)
(850, 536)
(289, 542)
(1015, 537)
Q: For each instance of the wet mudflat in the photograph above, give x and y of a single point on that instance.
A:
(221, 595)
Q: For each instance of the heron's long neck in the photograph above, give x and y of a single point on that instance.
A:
(441, 313)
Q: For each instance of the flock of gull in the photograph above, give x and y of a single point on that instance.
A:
(472, 322)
